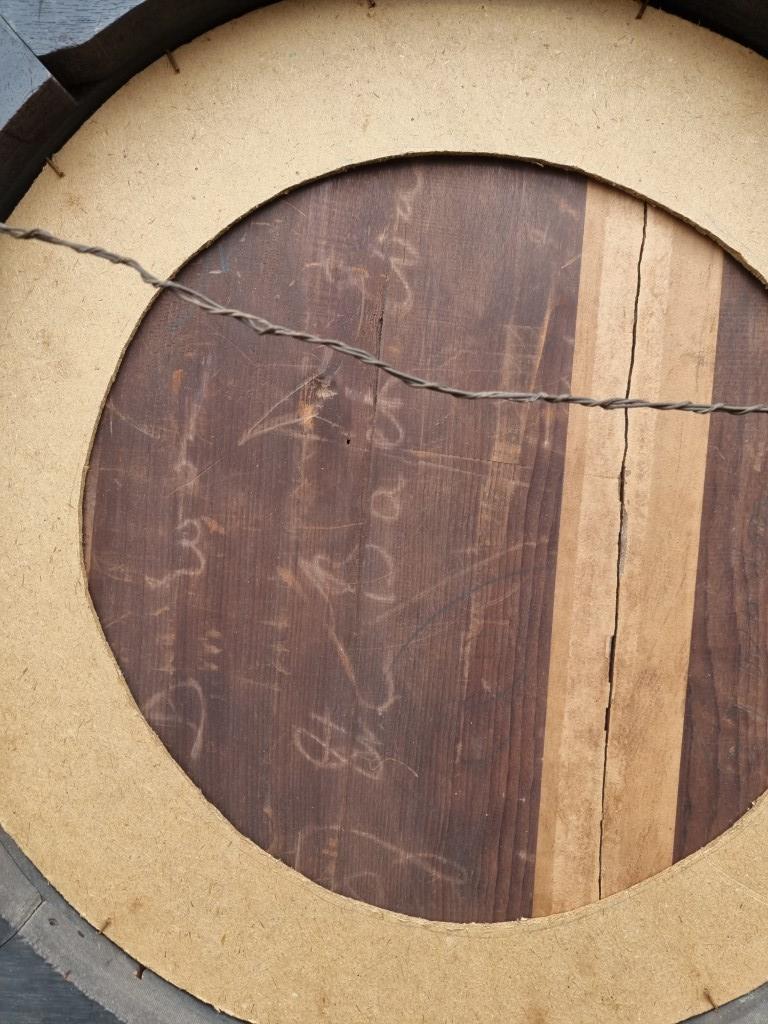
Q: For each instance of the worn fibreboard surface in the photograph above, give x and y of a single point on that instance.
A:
(699, 887)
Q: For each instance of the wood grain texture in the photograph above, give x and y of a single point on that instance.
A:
(331, 594)
(379, 628)
(568, 843)
(89, 293)
(724, 763)
(675, 344)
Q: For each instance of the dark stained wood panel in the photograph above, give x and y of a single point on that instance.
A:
(724, 765)
(330, 594)
(497, 305)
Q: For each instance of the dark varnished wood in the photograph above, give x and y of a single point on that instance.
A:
(724, 765)
(330, 594)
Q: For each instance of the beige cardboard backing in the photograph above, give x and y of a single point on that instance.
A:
(284, 95)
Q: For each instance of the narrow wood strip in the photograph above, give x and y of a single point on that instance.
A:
(666, 456)
(724, 766)
(568, 843)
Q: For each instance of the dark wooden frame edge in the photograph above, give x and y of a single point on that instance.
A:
(60, 60)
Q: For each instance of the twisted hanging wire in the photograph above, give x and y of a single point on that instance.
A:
(265, 327)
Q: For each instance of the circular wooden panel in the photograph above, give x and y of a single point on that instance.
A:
(471, 662)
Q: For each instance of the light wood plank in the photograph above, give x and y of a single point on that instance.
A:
(568, 842)
(675, 353)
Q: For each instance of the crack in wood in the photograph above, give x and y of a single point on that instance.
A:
(620, 548)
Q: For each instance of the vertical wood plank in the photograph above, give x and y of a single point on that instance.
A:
(568, 842)
(497, 304)
(724, 765)
(674, 356)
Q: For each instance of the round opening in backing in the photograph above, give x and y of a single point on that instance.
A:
(467, 661)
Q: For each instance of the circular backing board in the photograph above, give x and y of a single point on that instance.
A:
(283, 96)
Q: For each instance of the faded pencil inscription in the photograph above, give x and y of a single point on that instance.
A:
(325, 744)
(321, 577)
(189, 536)
(386, 502)
(317, 854)
(162, 709)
